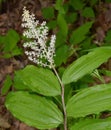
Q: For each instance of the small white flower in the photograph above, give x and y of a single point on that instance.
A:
(37, 48)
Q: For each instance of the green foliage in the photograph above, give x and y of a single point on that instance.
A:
(88, 12)
(91, 124)
(108, 1)
(86, 64)
(61, 55)
(72, 17)
(26, 105)
(48, 12)
(52, 24)
(60, 39)
(77, 4)
(59, 6)
(8, 44)
(97, 75)
(18, 81)
(67, 15)
(93, 2)
(106, 72)
(7, 85)
(108, 37)
(90, 101)
(62, 24)
(34, 110)
(39, 80)
(80, 33)
(38, 94)
(87, 44)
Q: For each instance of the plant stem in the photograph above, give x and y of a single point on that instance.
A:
(63, 101)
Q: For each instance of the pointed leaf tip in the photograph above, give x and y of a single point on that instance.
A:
(86, 64)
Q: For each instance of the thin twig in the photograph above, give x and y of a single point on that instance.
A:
(63, 101)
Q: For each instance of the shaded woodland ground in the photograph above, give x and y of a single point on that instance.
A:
(10, 18)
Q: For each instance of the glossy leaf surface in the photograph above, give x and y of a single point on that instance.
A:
(34, 110)
(91, 100)
(40, 80)
(86, 64)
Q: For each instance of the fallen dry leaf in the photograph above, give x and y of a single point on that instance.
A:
(4, 123)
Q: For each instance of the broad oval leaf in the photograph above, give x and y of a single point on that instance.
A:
(93, 124)
(34, 110)
(11, 40)
(39, 80)
(91, 100)
(86, 64)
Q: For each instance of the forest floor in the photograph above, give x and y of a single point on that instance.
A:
(10, 18)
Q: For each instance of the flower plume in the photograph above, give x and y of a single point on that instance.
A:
(38, 48)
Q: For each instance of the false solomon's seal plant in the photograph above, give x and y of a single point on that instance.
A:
(36, 100)
(41, 53)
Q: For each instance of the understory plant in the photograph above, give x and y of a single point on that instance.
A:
(40, 96)
(8, 44)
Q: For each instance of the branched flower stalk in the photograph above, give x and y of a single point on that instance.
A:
(40, 49)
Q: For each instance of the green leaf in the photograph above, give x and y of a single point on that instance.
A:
(70, 18)
(68, 92)
(48, 12)
(88, 12)
(7, 85)
(86, 64)
(97, 75)
(19, 83)
(91, 100)
(34, 110)
(93, 2)
(60, 39)
(52, 24)
(1, 40)
(59, 6)
(62, 24)
(108, 37)
(105, 72)
(93, 124)
(87, 44)
(11, 40)
(77, 4)
(61, 55)
(16, 51)
(39, 80)
(80, 33)
(108, 1)
(9, 44)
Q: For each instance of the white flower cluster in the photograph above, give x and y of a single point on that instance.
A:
(38, 49)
